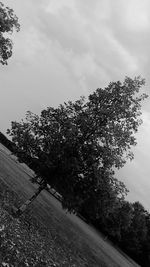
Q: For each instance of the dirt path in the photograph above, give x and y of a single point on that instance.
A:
(46, 207)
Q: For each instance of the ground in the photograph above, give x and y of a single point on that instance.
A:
(45, 235)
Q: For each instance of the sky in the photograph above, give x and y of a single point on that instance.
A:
(68, 48)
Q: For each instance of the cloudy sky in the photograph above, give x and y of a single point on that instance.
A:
(68, 48)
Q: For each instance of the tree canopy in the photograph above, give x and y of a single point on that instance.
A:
(8, 22)
(77, 145)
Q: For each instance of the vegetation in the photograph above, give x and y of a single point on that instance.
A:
(8, 22)
(76, 147)
(43, 235)
(128, 226)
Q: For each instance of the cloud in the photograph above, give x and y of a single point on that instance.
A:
(89, 41)
(85, 39)
(118, 54)
(137, 16)
(132, 16)
(84, 32)
(54, 7)
(28, 46)
(104, 28)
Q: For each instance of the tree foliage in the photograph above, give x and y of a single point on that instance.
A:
(79, 143)
(8, 22)
(76, 147)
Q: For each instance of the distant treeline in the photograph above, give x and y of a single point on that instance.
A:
(7, 143)
(128, 226)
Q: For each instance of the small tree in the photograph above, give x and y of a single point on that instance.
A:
(79, 143)
(8, 22)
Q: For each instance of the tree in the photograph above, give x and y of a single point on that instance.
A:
(8, 22)
(145, 261)
(118, 220)
(103, 199)
(79, 143)
(135, 236)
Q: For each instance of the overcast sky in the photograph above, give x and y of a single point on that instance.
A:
(68, 48)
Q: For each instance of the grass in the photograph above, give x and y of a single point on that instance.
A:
(44, 235)
(26, 242)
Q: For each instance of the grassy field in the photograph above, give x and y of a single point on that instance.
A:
(45, 235)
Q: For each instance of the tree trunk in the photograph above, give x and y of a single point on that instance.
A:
(20, 210)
